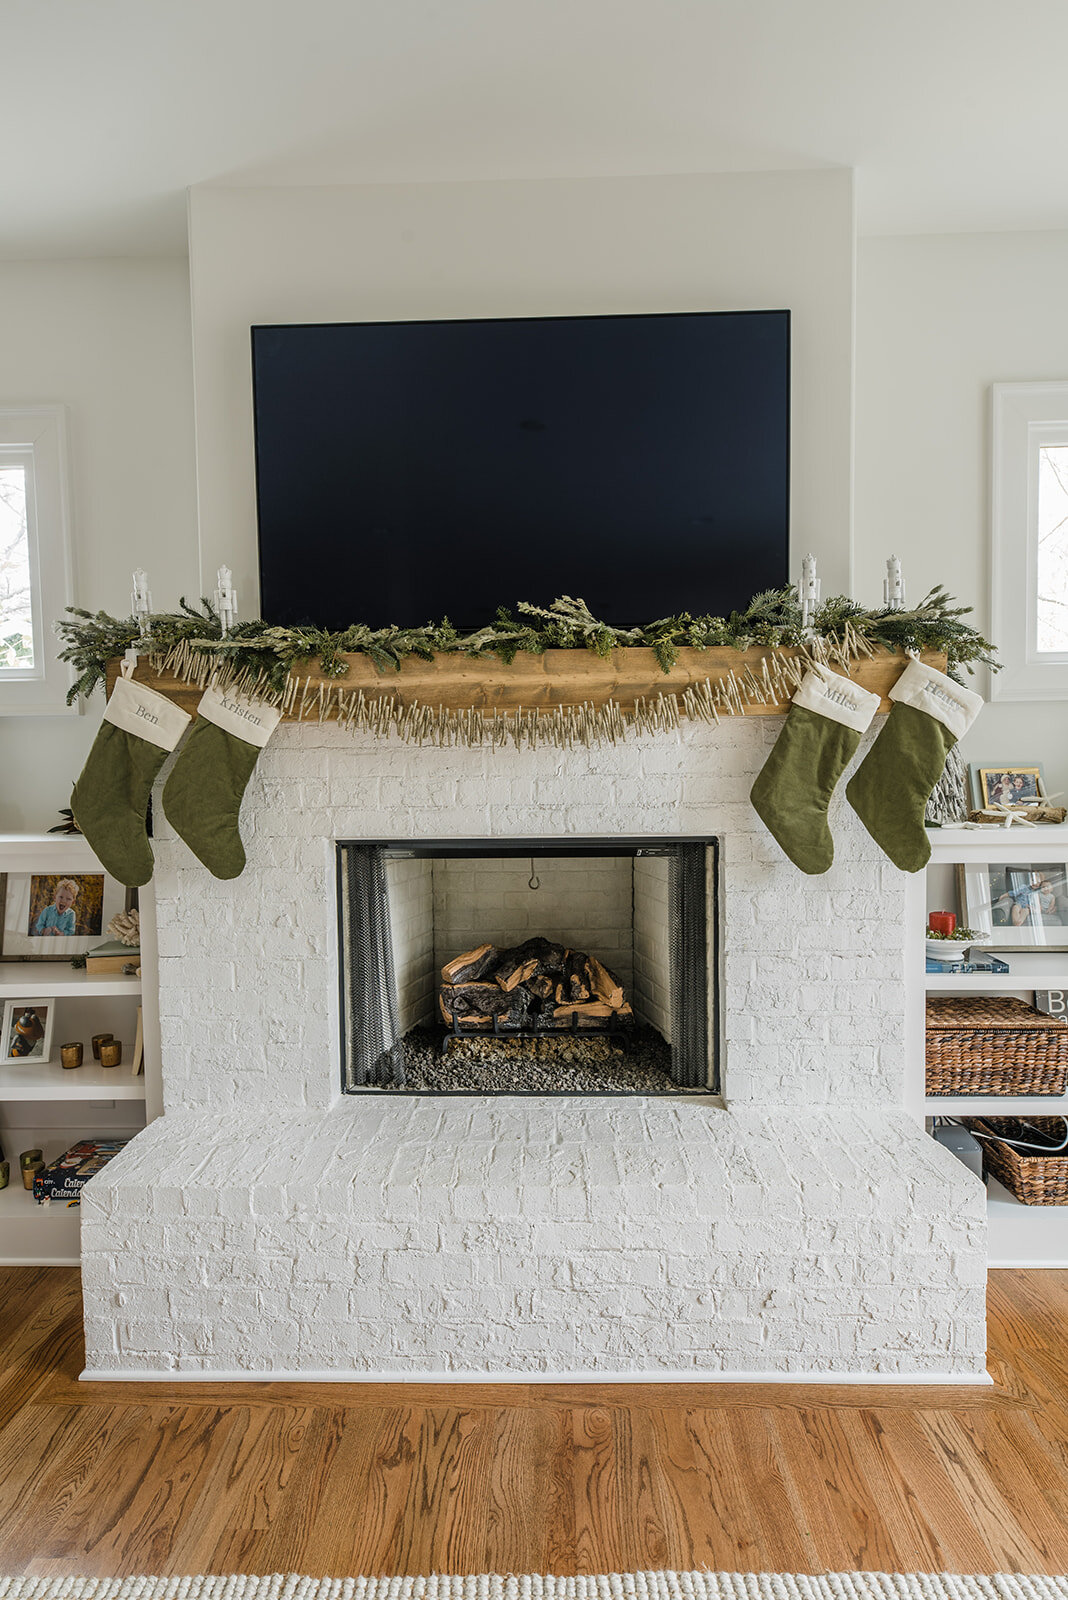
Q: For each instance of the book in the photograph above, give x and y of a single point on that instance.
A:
(137, 1065)
(112, 957)
(987, 964)
(64, 1179)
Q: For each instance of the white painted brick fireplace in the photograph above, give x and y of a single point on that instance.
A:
(267, 1226)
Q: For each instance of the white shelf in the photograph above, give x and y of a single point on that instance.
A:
(995, 1105)
(47, 852)
(1044, 843)
(1024, 1236)
(90, 1081)
(40, 980)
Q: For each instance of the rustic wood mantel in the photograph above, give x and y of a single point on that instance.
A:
(542, 683)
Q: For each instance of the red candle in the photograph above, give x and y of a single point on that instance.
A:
(942, 922)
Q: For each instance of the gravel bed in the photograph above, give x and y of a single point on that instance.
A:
(571, 1065)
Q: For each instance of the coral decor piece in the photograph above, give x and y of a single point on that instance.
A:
(125, 928)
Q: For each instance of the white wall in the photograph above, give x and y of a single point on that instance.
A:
(111, 340)
(939, 319)
(735, 241)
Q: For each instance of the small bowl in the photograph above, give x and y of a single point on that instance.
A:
(953, 949)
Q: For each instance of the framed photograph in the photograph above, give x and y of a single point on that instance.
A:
(27, 1032)
(51, 916)
(1006, 786)
(1020, 906)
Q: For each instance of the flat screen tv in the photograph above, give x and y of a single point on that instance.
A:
(408, 471)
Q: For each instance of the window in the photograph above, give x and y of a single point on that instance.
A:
(1051, 567)
(1029, 560)
(35, 559)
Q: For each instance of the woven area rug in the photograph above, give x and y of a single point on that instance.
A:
(530, 1586)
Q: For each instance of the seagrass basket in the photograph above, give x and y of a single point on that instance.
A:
(991, 1044)
(1036, 1179)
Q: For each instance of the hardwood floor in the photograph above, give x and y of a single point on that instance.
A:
(114, 1479)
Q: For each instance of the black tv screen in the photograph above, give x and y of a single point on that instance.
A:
(407, 471)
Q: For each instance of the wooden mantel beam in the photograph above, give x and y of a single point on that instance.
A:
(557, 678)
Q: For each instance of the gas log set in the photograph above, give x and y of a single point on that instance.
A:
(536, 986)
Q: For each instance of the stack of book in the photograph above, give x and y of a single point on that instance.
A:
(985, 964)
(112, 957)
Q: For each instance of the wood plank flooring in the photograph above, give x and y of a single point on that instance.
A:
(115, 1479)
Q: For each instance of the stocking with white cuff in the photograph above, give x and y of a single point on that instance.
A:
(819, 739)
(890, 789)
(110, 799)
(202, 797)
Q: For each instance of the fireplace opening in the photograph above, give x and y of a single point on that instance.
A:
(528, 966)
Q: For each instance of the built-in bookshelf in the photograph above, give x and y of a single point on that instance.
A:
(1019, 1235)
(43, 1106)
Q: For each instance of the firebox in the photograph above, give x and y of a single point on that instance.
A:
(562, 966)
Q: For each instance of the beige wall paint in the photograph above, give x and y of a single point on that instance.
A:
(111, 341)
(940, 318)
(734, 241)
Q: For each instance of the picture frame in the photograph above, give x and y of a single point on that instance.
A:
(26, 1032)
(1016, 905)
(71, 910)
(1006, 784)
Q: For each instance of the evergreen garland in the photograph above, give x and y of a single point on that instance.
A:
(771, 620)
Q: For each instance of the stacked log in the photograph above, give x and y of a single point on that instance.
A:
(537, 985)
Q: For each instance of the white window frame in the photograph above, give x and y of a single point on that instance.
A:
(1026, 416)
(37, 437)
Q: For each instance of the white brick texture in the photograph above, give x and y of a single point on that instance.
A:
(266, 1225)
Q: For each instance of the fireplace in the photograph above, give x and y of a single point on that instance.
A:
(798, 1223)
(528, 965)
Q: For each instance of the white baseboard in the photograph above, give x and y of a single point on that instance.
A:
(333, 1375)
(1037, 1263)
(40, 1261)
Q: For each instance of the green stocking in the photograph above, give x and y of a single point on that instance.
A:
(202, 796)
(820, 737)
(890, 789)
(110, 799)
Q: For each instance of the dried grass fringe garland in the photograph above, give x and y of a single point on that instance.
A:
(565, 726)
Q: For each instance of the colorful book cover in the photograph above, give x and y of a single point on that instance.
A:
(64, 1179)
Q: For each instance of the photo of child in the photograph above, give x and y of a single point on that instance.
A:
(1031, 897)
(26, 1036)
(58, 919)
(54, 916)
(66, 907)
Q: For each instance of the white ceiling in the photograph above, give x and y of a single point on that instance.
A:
(951, 111)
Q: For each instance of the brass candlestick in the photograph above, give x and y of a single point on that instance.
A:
(111, 1053)
(5, 1174)
(97, 1041)
(71, 1056)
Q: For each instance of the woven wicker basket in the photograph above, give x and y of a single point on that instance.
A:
(988, 1044)
(1035, 1179)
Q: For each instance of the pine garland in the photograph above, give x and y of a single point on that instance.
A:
(771, 620)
